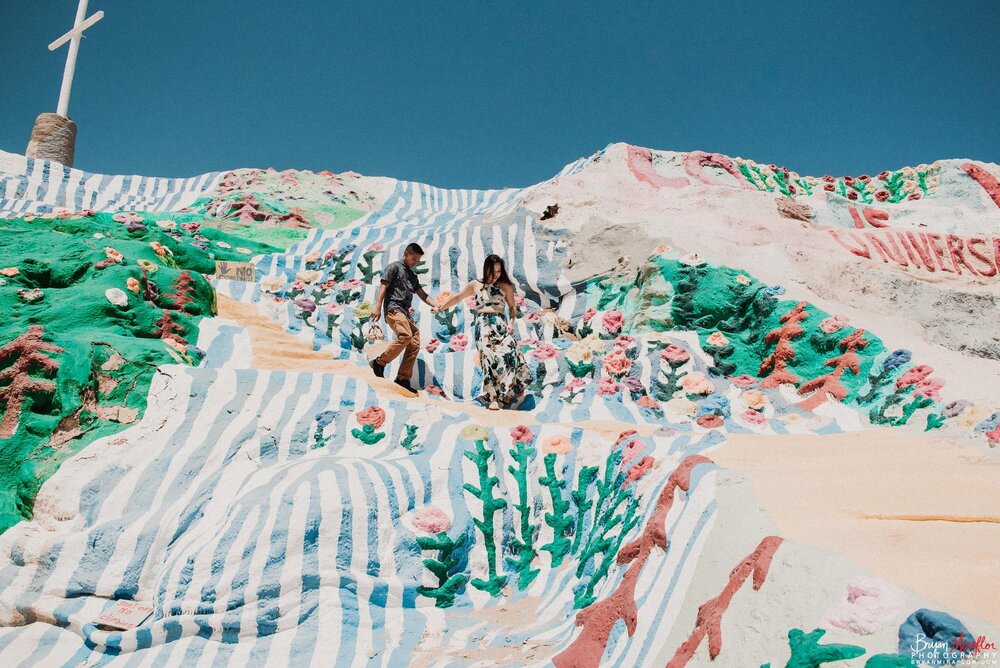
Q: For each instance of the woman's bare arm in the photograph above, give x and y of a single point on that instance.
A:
(464, 294)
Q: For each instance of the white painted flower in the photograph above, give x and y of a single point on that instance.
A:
(579, 353)
(222, 244)
(812, 180)
(692, 260)
(910, 186)
(682, 406)
(871, 187)
(907, 172)
(770, 182)
(591, 453)
(166, 224)
(116, 296)
(271, 284)
(595, 343)
(932, 182)
(309, 275)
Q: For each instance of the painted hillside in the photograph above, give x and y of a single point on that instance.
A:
(761, 428)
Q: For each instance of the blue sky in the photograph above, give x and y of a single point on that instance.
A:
(478, 94)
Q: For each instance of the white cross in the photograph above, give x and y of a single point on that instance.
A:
(73, 37)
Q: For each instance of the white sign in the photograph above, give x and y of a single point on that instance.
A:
(235, 271)
(125, 615)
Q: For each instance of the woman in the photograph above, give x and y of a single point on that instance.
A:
(505, 372)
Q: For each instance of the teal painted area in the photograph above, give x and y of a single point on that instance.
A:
(59, 258)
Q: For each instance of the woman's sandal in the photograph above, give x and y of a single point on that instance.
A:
(494, 406)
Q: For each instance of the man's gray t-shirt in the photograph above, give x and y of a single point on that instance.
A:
(402, 284)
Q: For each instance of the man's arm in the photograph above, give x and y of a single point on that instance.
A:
(424, 297)
(379, 298)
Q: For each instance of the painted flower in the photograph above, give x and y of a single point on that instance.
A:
(532, 317)
(432, 345)
(829, 187)
(223, 244)
(915, 196)
(617, 363)
(743, 279)
(929, 388)
(647, 401)
(434, 390)
(160, 249)
(363, 310)
(613, 321)
(545, 351)
(112, 255)
(333, 309)
(834, 323)
(682, 406)
(955, 408)
(351, 284)
(164, 224)
(881, 195)
(458, 342)
(883, 175)
(660, 250)
(575, 384)
(373, 415)
(743, 380)
(696, 383)
(375, 247)
(852, 194)
(474, 432)
(132, 285)
(307, 305)
(116, 296)
(717, 339)
(148, 265)
(674, 355)
(753, 417)
(327, 256)
(624, 341)
(558, 445)
(710, 421)
(522, 434)
(754, 399)
(272, 284)
(127, 218)
(896, 358)
(431, 519)
(191, 227)
(589, 315)
(632, 384)
(607, 387)
(308, 275)
(914, 375)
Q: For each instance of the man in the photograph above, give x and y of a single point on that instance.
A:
(399, 282)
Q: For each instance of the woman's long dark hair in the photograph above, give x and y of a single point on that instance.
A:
(488, 268)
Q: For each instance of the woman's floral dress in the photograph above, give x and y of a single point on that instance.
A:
(505, 372)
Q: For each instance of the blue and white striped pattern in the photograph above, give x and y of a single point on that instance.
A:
(28, 185)
(255, 548)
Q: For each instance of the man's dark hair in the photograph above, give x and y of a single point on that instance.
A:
(415, 249)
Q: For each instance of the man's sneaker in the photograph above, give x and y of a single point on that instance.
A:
(379, 369)
(405, 384)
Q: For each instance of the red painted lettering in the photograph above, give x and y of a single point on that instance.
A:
(885, 251)
(955, 250)
(875, 217)
(935, 239)
(990, 269)
(860, 252)
(923, 250)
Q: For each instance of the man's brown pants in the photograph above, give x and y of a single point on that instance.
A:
(407, 342)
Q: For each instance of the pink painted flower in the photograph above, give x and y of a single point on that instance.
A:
(132, 285)
(434, 390)
(458, 342)
(532, 317)
(829, 187)
(529, 342)
(881, 195)
(624, 341)
(375, 247)
(834, 323)
(191, 227)
(613, 321)
(560, 445)
(298, 285)
(929, 388)
(351, 284)
(546, 351)
(915, 196)
(648, 402)
(522, 434)
(607, 387)
(743, 380)
(914, 375)
(852, 195)
(675, 355)
(334, 309)
(575, 384)
(754, 399)
(993, 436)
(327, 256)
(710, 421)
(717, 339)
(696, 383)
(431, 519)
(883, 175)
(753, 417)
(519, 301)
(617, 363)
(373, 415)
(589, 315)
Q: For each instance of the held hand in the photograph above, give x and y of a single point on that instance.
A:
(376, 316)
(510, 328)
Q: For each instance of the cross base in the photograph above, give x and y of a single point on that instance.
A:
(52, 138)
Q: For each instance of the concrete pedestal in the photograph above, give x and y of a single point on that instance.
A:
(53, 138)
